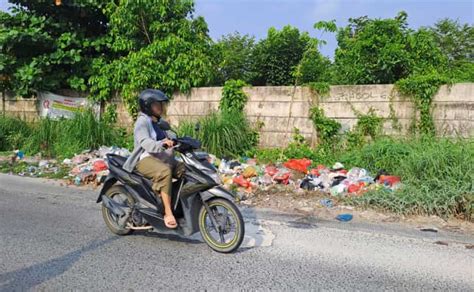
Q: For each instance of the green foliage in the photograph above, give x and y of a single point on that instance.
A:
(156, 44)
(110, 114)
(44, 47)
(320, 88)
(437, 175)
(326, 26)
(369, 124)
(313, 66)
(104, 46)
(326, 128)
(233, 97)
(381, 51)
(13, 133)
(298, 147)
(222, 133)
(422, 88)
(456, 42)
(234, 58)
(60, 138)
(393, 116)
(276, 57)
(266, 155)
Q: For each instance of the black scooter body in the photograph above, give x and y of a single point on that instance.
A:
(188, 194)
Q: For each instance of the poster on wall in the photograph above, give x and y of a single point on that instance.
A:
(57, 106)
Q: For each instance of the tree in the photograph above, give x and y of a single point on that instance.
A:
(234, 58)
(103, 46)
(159, 45)
(457, 43)
(378, 51)
(454, 39)
(46, 47)
(277, 56)
(313, 67)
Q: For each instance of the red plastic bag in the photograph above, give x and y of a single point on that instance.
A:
(99, 165)
(241, 181)
(271, 170)
(283, 178)
(355, 188)
(300, 165)
(317, 171)
(389, 179)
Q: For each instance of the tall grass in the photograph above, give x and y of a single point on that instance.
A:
(223, 134)
(13, 132)
(437, 175)
(60, 138)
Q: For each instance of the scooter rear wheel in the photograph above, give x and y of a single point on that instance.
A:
(117, 192)
(231, 229)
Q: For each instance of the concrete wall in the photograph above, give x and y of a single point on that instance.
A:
(25, 108)
(283, 108)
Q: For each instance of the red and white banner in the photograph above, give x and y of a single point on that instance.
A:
(56, 106)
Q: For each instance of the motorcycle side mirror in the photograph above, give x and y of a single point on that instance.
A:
(197, 127)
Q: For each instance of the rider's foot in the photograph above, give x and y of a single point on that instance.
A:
(170, 221)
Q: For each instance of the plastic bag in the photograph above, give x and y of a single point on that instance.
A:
(249, 171)
(283, 176)
(271, 170)
(355, 187)
(99, 165)
(318, 170)
(389, 180)
(241, 181)
(300, 165)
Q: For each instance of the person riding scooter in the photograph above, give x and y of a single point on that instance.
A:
(153, 155)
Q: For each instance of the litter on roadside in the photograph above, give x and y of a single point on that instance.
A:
(344, 217)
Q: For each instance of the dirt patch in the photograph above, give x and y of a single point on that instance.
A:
(313, 203)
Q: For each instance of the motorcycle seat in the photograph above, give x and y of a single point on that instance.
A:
(118, 161)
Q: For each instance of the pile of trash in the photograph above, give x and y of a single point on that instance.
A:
(44, 167)
(90, 167)
(335, 180)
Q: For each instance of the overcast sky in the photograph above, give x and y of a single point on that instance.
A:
(254, 17)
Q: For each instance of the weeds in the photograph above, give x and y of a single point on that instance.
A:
(223, 134)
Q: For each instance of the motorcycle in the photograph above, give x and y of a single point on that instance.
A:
(199, 201)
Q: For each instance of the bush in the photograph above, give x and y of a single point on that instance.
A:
(222, 134)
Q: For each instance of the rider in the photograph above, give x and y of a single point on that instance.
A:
(152, 155)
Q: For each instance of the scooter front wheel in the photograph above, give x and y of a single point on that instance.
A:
(221, 225)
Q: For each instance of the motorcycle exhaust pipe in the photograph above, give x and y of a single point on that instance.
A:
(130, 226)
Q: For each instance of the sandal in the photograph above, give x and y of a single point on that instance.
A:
(170, 221)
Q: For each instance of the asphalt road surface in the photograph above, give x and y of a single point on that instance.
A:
(52, 238)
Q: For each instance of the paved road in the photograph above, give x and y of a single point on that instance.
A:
(53, 238)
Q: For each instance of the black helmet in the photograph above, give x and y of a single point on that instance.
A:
(148, 96)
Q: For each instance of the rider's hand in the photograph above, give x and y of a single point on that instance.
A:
(167, 143)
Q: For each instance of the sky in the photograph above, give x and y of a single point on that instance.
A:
(254, 17)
